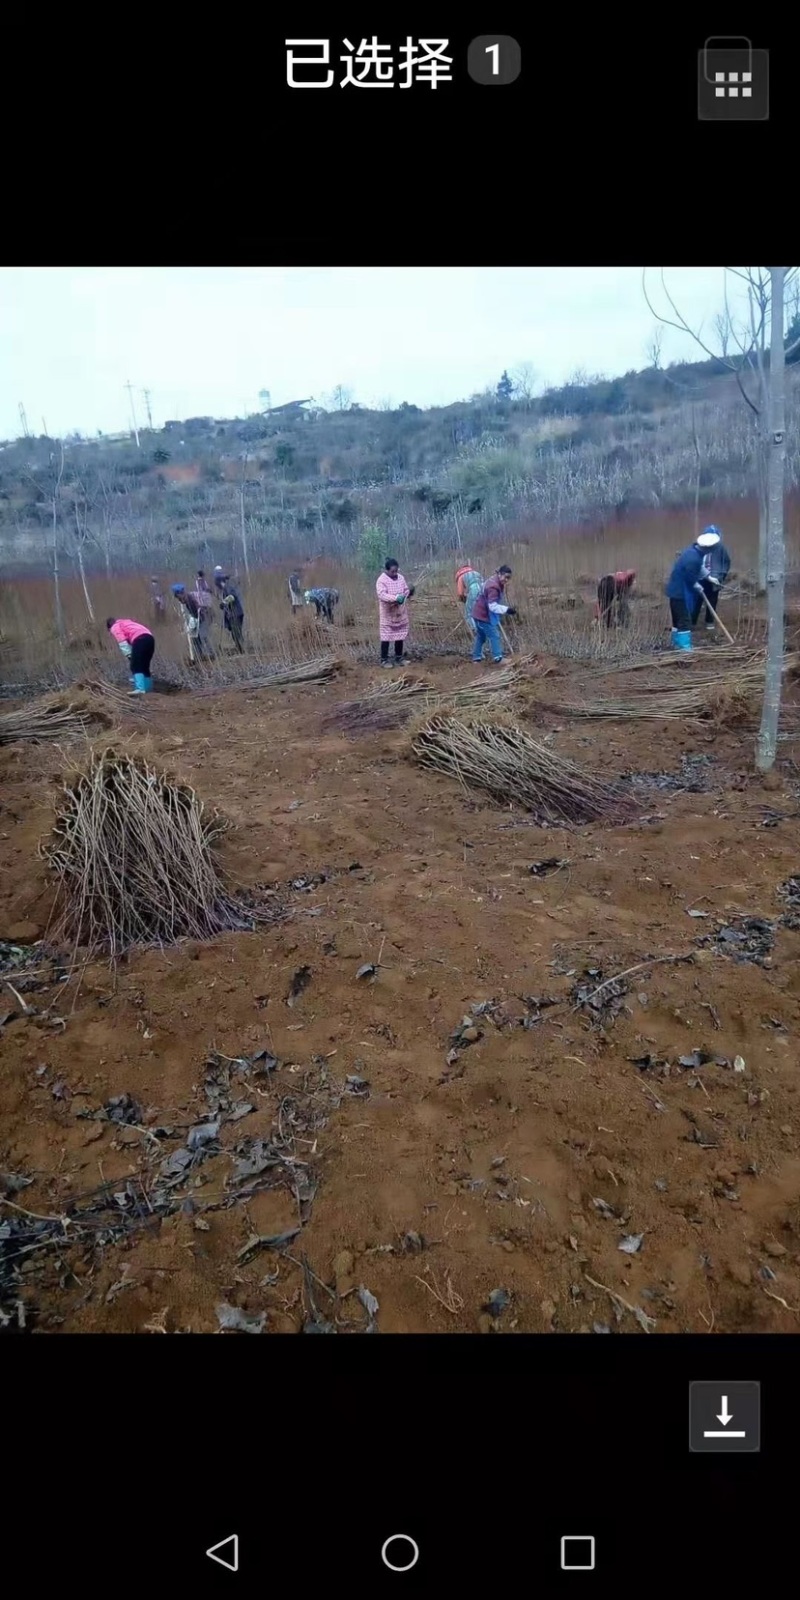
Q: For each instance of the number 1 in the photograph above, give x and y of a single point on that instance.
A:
(493, 50)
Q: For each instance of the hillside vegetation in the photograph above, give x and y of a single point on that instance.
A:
(300, 481)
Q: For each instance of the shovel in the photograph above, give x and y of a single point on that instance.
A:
(720, 625)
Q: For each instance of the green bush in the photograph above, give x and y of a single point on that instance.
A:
(373, 549)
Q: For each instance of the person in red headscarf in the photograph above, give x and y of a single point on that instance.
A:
(613, 592)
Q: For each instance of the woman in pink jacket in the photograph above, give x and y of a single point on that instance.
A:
(393, 595)
(137, 643)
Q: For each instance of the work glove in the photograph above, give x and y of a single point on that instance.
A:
(512, 611)
(715, 582)
(411, 591)
(126, 648)
(699, 588)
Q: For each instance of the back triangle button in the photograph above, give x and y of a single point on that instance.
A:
(226, 1553)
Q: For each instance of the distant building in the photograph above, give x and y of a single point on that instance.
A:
(291, 407)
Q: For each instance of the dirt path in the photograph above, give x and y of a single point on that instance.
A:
(523, 1164)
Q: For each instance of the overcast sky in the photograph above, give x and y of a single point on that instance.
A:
(205, 340)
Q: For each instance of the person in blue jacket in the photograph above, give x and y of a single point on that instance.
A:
(719, 567)
(684, 588)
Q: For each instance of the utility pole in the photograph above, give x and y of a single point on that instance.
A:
(23, 419)
(129, 388)
(146, 394)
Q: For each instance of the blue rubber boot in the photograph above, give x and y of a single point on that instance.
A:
(683, 640)
(142, 684)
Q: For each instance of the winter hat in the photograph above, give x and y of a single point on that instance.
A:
(707, 540)
(178, 588)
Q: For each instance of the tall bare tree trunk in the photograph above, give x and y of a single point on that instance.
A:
(86, 595)
(767, 744)
(245, 556)
(458, 530)
(696, 443)
(763, 514)
(59, 610)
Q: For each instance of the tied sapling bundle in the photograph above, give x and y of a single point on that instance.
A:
(134, 856)
(505, 762)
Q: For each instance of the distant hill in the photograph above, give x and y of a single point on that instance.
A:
(298, 481)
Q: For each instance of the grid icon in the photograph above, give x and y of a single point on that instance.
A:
(732, 81)
(738, 82)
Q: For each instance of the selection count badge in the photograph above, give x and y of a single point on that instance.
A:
(494, 58)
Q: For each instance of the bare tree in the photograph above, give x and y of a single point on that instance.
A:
(766, 302)
(243, 518)
(80, 532)
(525, 381)
(56, 465)
(699, 472)
(102, 532)
(56, 496)
(767, 745)
(341, 397)
(653, 350)
(742, 349)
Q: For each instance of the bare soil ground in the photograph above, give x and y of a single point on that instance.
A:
(521, 1163)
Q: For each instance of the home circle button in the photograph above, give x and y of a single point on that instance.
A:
(400, 1553)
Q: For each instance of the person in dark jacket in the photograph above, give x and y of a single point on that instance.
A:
(719, 567)
(684, 588)
(230, 604)
(489, 607)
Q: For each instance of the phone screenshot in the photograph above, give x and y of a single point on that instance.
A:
(399, 798)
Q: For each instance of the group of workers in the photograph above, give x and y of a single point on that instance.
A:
(197, 607)
(694, 586)
(484, 602)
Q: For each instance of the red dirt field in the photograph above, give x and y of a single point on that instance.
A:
(523, 1164)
